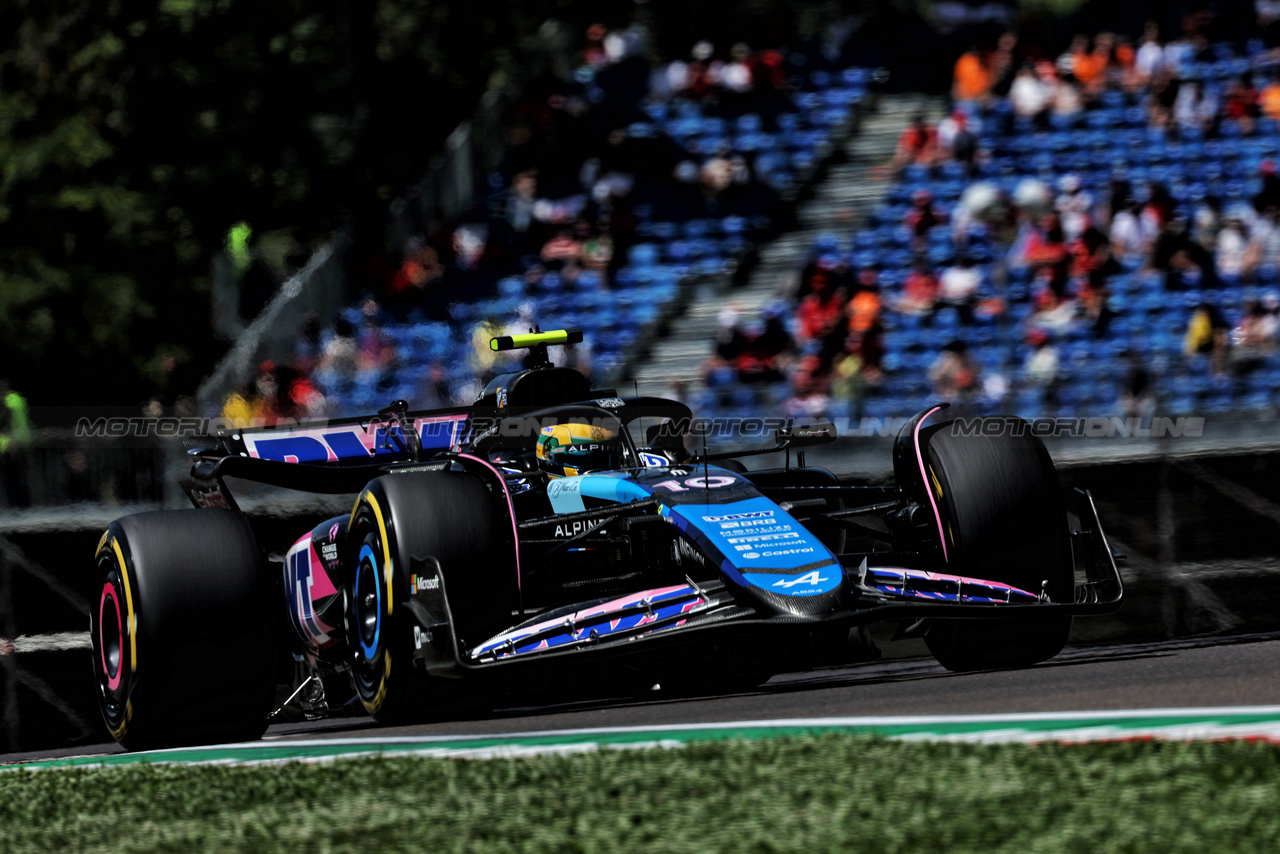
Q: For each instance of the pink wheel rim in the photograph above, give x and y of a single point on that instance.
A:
(108, 591)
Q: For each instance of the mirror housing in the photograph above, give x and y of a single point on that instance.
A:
(805, 435)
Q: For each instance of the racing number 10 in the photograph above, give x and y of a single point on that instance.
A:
(695, 483)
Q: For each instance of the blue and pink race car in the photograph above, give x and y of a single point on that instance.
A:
(558, 537)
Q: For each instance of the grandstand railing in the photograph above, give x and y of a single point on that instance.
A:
(56, 468)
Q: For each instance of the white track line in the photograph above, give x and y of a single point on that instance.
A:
(55, 642)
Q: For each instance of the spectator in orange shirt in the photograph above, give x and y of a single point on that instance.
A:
(1269, 100)
(1090, 68)
(972, 78)
(864, 308)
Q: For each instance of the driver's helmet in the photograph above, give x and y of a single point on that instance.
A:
(565, 450)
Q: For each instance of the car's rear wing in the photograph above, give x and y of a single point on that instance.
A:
(331, 456)
(352, 441)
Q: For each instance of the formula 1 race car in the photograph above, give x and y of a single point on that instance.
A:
(556, 537)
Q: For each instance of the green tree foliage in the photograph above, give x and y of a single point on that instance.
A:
(134, 134)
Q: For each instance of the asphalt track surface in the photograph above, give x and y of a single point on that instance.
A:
(1242, 671)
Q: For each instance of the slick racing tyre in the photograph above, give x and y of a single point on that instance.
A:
(398, 521)
(1001, 508)
(181, 634)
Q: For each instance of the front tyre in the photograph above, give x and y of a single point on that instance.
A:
(180, 629)
(1003, 518)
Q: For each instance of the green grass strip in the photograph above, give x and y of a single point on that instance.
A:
(831, 792)
(1175, 724)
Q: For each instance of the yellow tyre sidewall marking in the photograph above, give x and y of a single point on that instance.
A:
(387, 574)
(132, 621)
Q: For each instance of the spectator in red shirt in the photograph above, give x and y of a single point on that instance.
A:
(1046, 247)
(917, 144)
(1242, 103)
(820, 311)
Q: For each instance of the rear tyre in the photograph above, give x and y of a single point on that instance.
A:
(181, 634)
(1004, 519)
(449, 516)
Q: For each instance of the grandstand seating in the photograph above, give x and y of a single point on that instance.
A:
(648, 285)
(1111, 140)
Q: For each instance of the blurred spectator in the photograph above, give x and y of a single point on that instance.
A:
(864, 308)
(1269, 99)
(757, 359)
(1159, 208)
(1040, 371)
(337, 366)
(809, 397)
(868, 345)
(521, 202)
(1252, 336)
(1268, 20)
(1067, 100)
(1269, 194)
(917, 144)
(1124, 71)
(972, 77)
(417, 284)
(1196, 106)
(955, 375)
(374, 349)
(1002, 65)
(703, 72)
(820, 312)
(1264, 241)
(1091, 254)
(597, 254)
(726, 348)
(1074, 205)
(1232, 248)
(564, 247)
(1185, 263)
(1046, 245)
(827, 270)
(921, 217)
(957, 139)
(1090, 67)
(1150, 60)
(1137, 394)
(919, 291)
(1207, 334)
(958, 286)
(1095, 308)
(1131, 235)
(848, 386)
(1071, 59)
(1242, 103)
(1029, 96)
(304, 399)
(1162, 96)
